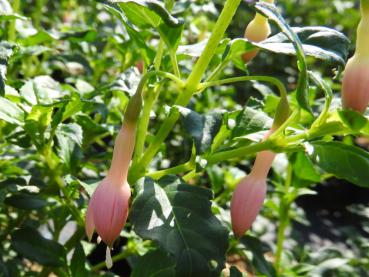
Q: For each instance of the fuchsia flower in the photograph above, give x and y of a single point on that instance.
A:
(108, 208)
(355, 84)
(249, 194)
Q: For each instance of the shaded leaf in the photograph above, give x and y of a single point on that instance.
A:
(70, 138)
(261, 265)
(155, 263)
(319, 42)
(344, 161)
(202, 128)
(30, 244)
(77, 264)
(250, 121)
(178, 217)
(26, 201)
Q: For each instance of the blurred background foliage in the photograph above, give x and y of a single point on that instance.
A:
(72, 69)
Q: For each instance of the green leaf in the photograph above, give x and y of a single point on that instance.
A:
(75, 104)
(41, 90)
(69, 137)
(155, 263)
(89, 35)
(7, 13)
(344, 161)
(352, 119)
(26, 201)
(10, 112)
(143, 13)
(249, 121)
(31, 245)
(72, 131)
(261, 265)
(319, 42)
(147, 53)
(304, 169)
(271, 12)
(77, 264)
(202, 128)
(37, 122)
(6, 51)
(178, 217)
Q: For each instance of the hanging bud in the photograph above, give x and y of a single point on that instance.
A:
(108, 207)
(355, 84)
(249, 194)
(257, 30)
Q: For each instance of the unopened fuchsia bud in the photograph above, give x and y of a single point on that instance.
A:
(355, 84)
(257, 30)
(108, 208)
(249, 195)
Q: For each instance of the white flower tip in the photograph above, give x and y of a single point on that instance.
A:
(108, 259)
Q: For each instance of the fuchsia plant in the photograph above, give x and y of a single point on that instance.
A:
(355, 85)
(108, 208)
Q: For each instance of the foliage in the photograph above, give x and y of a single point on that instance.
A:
(68, 70)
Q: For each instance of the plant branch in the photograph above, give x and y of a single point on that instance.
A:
(221, 26)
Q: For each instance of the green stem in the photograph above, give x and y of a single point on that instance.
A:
(220, 27)
(159, 55)
(12, 32)
(274, 81)
(364, 6)
(239, 152)
(173, 59)
(122, 255)
(173, 170)
(284, 209)
(138, 169)
(217, 71)
(37, 14)
(189, 175)
(294, 116)
(225, 18)
(144, 121)
(167, 75)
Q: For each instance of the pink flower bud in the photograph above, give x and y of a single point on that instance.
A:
(257, 30)
(249, 194)
(355, 84)
(108, 208)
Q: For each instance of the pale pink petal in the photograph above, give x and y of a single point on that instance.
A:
(246, 203)
(355, 85)
(89, 225)
(110, 214)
